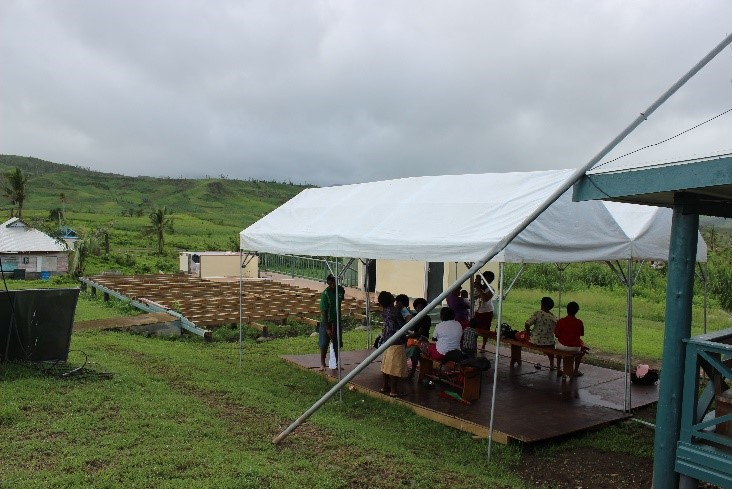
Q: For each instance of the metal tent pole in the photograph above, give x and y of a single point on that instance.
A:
(702, 274)
(368, 301)
(241, 314)
(495, 359)
(561, 267)
(704, 278)
(628, 334)
(503, 242)
(338, 329)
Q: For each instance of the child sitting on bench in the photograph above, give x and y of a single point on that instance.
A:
(542, 333)
(470, 340)
(568, 332)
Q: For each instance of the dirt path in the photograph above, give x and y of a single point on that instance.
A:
(123, 322)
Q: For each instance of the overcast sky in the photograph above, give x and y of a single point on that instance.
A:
(331, 92)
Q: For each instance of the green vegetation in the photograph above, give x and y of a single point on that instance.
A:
(14, 189)
(89, 307)
(209, 213)
(161, 222)
(177, 413)
(182, 413)
(604, 313)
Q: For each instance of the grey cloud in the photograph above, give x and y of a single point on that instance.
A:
(341, 92)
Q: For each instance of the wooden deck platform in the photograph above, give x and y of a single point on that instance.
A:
(209, 303)
(531, 405)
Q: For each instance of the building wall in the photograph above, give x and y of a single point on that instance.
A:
(401, 277)
(218, 265)
(35, 263)
(183, 261)
(71, 242)
(410, 277)
(227, 266)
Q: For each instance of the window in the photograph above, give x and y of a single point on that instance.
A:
(8, 263)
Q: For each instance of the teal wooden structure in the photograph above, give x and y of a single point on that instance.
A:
(704, 446)
(685, 450)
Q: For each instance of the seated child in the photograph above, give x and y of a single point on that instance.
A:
(542, 333)
(470, 339)
(421, 332)
(401, 302)
(569, 331)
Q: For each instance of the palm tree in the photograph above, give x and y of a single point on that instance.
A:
(82, 250)
(63, 208)
(15, 188)
(161, 221)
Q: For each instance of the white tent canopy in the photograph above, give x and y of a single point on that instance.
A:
(459, 218)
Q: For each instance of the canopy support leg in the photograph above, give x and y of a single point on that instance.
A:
(495, 361)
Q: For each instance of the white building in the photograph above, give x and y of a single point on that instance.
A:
(26, 252)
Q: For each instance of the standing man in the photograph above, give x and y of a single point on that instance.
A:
(330, 306)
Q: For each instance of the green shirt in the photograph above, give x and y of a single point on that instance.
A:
(328, 312)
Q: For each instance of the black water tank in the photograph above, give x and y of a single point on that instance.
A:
(19, 274)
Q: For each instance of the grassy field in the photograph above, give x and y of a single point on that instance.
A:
(87, 308)
(181, 413)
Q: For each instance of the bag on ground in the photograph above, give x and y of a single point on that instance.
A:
(332, 362)
(480, 363)
(507, 331)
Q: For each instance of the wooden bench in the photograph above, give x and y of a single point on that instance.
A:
(517, 346)
(466, 380)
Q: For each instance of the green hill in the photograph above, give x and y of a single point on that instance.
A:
(208, 213)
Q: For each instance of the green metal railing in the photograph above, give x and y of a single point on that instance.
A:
(704, 449)
(309, 267)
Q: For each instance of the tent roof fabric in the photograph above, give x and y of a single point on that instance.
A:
(460, 218)
(17, 237)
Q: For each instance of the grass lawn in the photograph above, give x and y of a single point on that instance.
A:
(181, 413)
(87, 308)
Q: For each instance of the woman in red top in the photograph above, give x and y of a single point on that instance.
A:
(569, 331)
